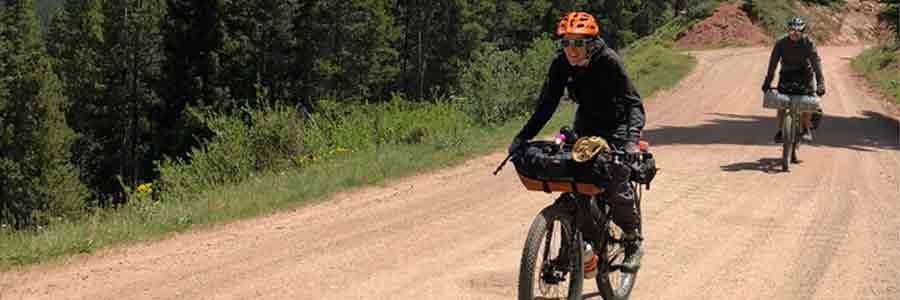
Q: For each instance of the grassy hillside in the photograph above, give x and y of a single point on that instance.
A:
(773, 14)
(881, 65)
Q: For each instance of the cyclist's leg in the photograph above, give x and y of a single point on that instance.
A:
(621, 198)
(780, 122)
(780, 118)
(807, 120)
(816, 118)
(806, 124)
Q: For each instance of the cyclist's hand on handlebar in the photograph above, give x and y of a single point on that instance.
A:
(820, 91)
(632, 151)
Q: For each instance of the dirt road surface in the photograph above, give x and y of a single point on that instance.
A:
(721, 221)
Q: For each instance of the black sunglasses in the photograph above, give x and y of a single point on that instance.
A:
(575, 43)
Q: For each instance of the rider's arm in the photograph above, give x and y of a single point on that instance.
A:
(773, 63)
(632, 102)
(816, 63)
(548, 101)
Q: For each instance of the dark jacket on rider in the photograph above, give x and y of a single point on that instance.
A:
(799, 61)
(608, 104)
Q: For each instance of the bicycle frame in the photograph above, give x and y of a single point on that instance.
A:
(566, 200)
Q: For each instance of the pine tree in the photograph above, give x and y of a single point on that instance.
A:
(222, 55)
(437, 38)
(346, 48)
(108, 55)
(74, 41)
(131, 64)
(45, 10)
(191, 39)
(257, 50)
(37, 180)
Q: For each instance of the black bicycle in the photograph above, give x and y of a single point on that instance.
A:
(552, 259)
(791, 130)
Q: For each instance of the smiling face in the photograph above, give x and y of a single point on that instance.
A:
(576, 47)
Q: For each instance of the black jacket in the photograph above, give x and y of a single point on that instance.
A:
(608, 104)
(799, 61)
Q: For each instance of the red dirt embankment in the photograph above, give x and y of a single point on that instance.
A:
(728, 26)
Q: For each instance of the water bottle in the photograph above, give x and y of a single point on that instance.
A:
(590, 261)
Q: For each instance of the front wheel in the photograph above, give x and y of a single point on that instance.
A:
(788, 147)
(551, 266)
(796, 141)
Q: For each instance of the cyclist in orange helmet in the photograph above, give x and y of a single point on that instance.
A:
(609, 106)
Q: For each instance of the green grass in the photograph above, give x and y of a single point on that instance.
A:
(258, 195)
(772, 15)
(645, 65)
(881, 66)
(652, 63)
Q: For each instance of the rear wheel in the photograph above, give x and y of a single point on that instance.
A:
(551, 265)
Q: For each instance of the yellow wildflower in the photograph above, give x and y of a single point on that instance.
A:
(145, 188)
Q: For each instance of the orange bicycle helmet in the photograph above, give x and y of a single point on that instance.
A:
(578, 23)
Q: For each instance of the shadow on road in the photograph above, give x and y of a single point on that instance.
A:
(871, 132)
(765, 165)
